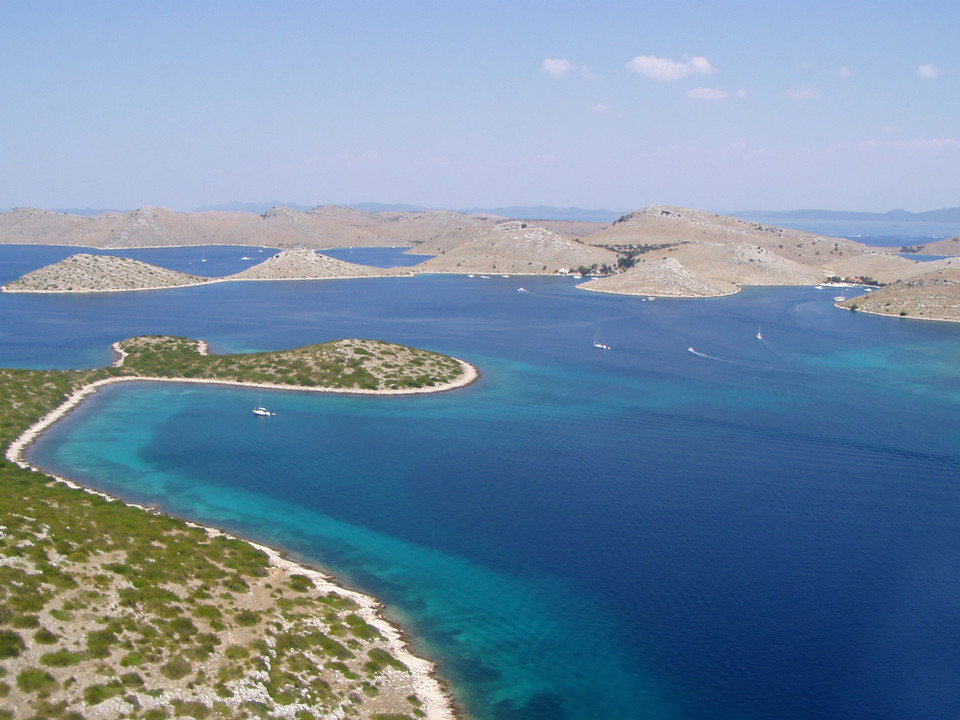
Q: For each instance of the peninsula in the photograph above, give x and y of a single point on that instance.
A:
(658, 251)
(113, 610)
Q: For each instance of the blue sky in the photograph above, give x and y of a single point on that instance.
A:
(716, 105)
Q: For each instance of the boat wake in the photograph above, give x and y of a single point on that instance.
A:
(717, 358)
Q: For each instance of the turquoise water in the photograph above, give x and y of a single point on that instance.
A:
(764, 529)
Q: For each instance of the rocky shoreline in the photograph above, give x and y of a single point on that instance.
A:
(401, 683)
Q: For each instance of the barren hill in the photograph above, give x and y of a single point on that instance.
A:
(325, 226)
(950, 246)
(743, 252)
(933, 295)
(707, 246)
(303, 263)
(662, 278)
(656, 225)
(514, 247)
(100, 273)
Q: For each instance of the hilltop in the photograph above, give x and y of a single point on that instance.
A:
(303, 263)
(666, 277)
(107, 273)
(709, 253)
(321, 227)
(949, 246)
(515, 247)
(711, 247)
(100, 273)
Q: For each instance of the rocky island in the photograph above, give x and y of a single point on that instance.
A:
(110, 610)
(100, 273)
(658, 251)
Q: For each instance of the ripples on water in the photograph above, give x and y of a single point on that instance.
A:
(769, 530)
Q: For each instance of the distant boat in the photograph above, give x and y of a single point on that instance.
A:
(839, 298)
(599, 345)
(759, 336)
(244, 258)
(521, 289)
(260, 410)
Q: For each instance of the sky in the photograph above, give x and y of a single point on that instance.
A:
(719, 105)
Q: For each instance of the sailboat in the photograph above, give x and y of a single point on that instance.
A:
(597, 344)
(259, 409)
(759, 336)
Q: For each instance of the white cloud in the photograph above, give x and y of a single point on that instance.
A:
(928, 71)
(657, 68)
(600, 108)
(801, 93)
(844, 72)
(702, 93)
(558, 67)
(742, 93)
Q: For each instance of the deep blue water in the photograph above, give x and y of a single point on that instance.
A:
(760, 529)
(377, 256)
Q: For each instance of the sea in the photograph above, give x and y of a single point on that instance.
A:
(696, 524)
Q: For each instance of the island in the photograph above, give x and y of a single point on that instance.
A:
(658, 251)
(109, 609)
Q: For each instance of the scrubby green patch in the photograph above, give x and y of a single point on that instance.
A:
(116, 603)
(35, 680)
(11, 644)
(380, 659)
(339, 364)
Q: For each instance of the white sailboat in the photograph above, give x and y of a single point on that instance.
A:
(759, 336)
(597, 344)
(260, 410)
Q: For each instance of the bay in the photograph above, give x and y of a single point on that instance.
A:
(757, 529)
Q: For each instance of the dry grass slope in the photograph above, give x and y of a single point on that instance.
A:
(99, 273)
(931, 296)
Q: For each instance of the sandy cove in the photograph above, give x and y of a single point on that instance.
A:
(437, 703)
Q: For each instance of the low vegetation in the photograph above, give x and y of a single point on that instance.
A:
(340, 365)
(111, 610)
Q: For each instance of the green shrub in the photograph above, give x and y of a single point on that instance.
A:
(301, 583)
(35, 680)
(96, 694)
(11, 644)
(246, 618)
(60, 658)
(175, 669)
(44, 637)
(25, 622)
(99, 643)
(379, 659)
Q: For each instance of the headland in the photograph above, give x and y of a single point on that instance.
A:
(115, 609)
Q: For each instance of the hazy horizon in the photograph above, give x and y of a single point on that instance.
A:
(456, 105)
